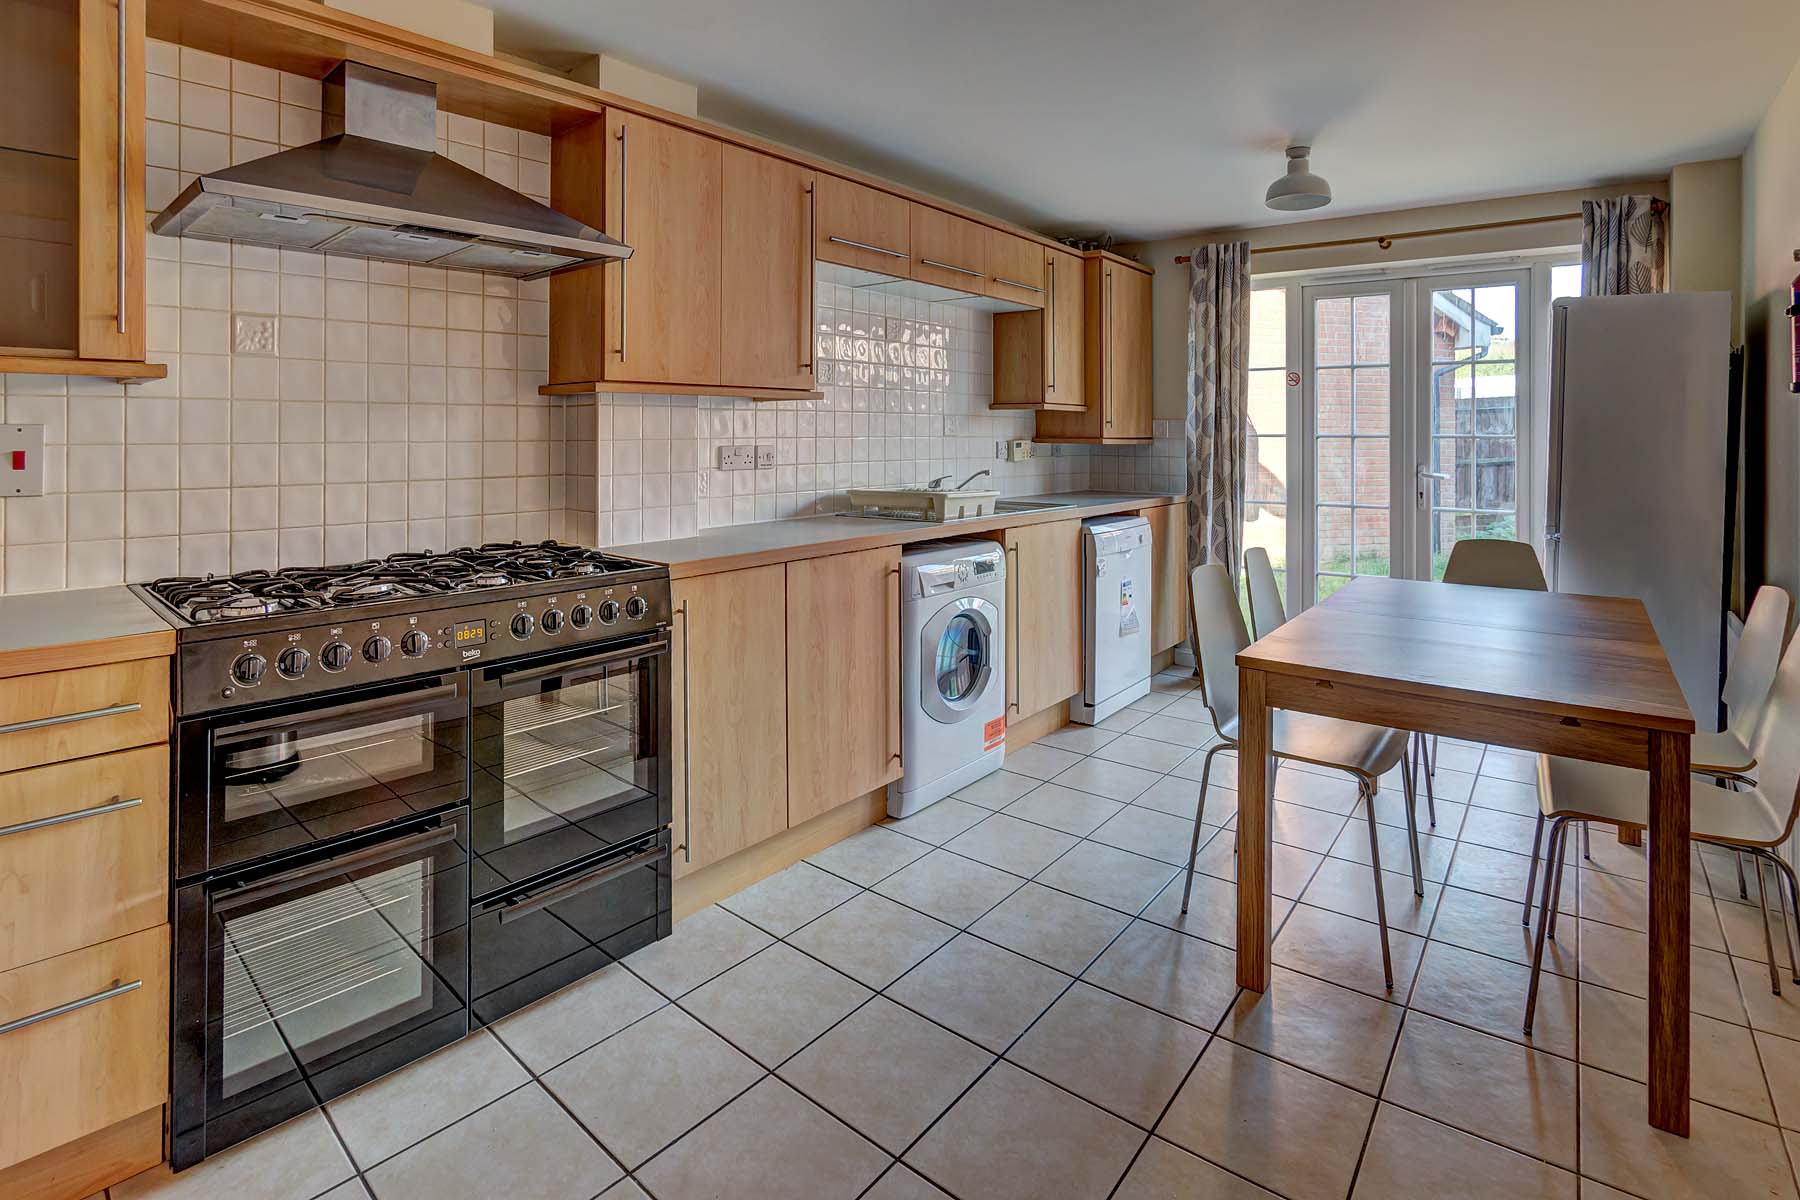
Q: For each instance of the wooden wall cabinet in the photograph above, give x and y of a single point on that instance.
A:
(72, 189)
(843, 678)
(1016, 269)
(766, 287)
(948, 250)
(1039, 356)
(730, 729)
(1117, 366)
(1169, 585)
(1043, 600)
(864, 227)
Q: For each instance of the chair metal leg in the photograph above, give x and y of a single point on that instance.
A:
(1587, 841)
(1789, 889)
(1555, 871)
(1430, 774)
(1743, 889)
(1537, 845)
(1387, 958)
(1187, 887)
(1554, 849)
(1762, 901)
(1431, 757)
(1410, 785)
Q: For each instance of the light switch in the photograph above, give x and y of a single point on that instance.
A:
(22, 453)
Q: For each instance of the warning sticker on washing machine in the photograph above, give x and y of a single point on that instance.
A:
(1128, 617)
(993, 733)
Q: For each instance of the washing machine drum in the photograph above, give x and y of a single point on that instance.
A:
(957, 656)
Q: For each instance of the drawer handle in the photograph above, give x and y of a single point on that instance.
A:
(843, 241)
(944, 266)
(1030, 287)
(81, 814)
(116, 989)
(581, 883)
(113, 710)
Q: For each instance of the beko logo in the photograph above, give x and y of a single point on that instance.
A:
(470, 654)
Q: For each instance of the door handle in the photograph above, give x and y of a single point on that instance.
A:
(111, 710)
(856, 245)
(1422, 475)
(1010, 644)
(687, 733)
(123, 34)
(806, 271)
(624, 183)
(116, 988)
(893, 663)
(1030, 287)
(116, 804)
(1050, 317)
(944, 266)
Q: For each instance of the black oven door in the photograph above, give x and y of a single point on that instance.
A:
(570, 759)
(289, 776)
(296, 983)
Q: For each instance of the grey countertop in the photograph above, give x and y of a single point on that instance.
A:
(43, 631)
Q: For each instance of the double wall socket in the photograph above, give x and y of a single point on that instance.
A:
(744, 458)
(1017, 450)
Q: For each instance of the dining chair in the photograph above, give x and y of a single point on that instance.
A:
(1364, 752)
(1754, 820)
(1267, 612)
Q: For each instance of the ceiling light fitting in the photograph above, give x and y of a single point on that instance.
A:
(1299, 189)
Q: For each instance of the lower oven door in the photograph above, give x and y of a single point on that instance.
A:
(529, 942)
(570, 759)
(297, 984)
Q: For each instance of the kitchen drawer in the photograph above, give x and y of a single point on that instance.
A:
(84, 853)
(71, 714)
(84, 1042)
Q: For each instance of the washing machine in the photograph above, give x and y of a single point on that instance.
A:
(953, 673)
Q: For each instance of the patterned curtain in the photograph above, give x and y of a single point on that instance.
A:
(1218, 401)
(1622, 246)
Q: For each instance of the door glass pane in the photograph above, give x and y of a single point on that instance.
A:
(1352, 414)
(1473, 469)
(1266, 476)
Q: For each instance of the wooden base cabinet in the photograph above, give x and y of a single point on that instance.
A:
(1043, 601)
(1117, 364)
(730, 728)
(1169, 585)
(843, 678)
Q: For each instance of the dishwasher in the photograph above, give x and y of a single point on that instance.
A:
(1115, 617)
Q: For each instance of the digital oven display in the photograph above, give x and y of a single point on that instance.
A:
(471, 633)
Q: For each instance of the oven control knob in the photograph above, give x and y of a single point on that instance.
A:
(552, 620)
(414, 642)
(377, 649)
(636, 607)
(609, 611)
(335, 656)
(247, 669)
(582, 615)
(292, 662)
(522, 625)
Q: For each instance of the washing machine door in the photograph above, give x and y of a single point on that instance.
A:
(956, 658)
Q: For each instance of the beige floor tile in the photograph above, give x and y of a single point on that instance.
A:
(1725, 1070)
(938, 823)
(903, 1184)
(1329, 945)
(1144, 752)
(1726, 1155)
(1115, 780)
(869, 855)
(949, 887)
(1015, 1137)
(293, 1161)
(1123, 721)
(1476, 921)
(1501, 830)
(1742, 926)
(887, 1071)
(1325, 793)
(565, 1023)
(1040, 761)
(1224, 768)
(1079, 739)
(1606, 854)
(1489, 994)
(1410, 1155)
(1331, 1031)
(1286, 1129)
(1594, 1190)
(1622, 901)
(1769, 1013)
(353, 1189)
(872, 939)
(1107, 875)
(1308, 828)
(771, 1143)
(641, 1090)
(1153, 834)
(982, 991)
(1292, 868)
(1180, 797)
(1012, 845)
(382, 1118)
(1434, 852)
(1054, 928)
(1504, 874)
(1457, 756)
(1390, 809)
(1165, 1171)
(625, 1189)
(701, 946)
(1126, 1058)
(1212, 909)
(774, 1002)
(1781, 1067)
(1171, 972)
(997, 790)
(1505, 795)
(1500, 1090)
(1618, 959)
(522, 1144)
(790, 898)
(1193, 731)
(1064, 808)
(1517, 765)
(1349, 888)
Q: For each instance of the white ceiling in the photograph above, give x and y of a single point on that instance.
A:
(1147, 118)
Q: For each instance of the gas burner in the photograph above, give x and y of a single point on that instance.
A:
(241, 605)
(484, 579)
(362, 589)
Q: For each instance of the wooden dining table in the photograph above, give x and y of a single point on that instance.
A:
(1579, 676)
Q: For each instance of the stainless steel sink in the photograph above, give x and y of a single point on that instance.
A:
(1006, 506)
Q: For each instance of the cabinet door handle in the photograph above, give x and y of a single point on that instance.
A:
(1109, 353)
(624, 197)
(806, 272)
(114, 989)
(841, 241)
(1030, 287)
(1009, 643)
(81, 814)
(687, 727)
(91, 714)
(944, 266)
(893, 663)
(1050, 266)
(120, 165)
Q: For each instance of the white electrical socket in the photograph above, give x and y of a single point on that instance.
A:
(737, 458)
(765, 456)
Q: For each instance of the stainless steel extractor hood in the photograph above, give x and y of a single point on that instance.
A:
(376, 187)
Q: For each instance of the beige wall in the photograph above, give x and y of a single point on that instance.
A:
(1705, 218)
(456, 21)
(1771, 234)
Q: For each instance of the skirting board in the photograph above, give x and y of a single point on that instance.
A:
(90, 1164)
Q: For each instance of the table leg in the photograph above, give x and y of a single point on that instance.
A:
(1670, 798)
(1254, 903)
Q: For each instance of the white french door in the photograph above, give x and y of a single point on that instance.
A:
(1411, 411)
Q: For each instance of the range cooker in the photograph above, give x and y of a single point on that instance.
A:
(411, 795)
